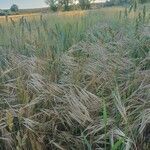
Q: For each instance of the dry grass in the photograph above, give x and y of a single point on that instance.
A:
(77, 84)
(72, 13)
(31, 16)
(18, 17)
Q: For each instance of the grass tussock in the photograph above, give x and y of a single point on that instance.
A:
(78, 83)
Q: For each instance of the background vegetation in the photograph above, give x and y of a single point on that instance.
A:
(76, 81)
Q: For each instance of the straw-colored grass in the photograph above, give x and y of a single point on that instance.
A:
(75, 82)
(17, 17)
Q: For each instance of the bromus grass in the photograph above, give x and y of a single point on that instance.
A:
(76, 82)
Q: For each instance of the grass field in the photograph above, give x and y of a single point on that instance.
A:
(76, 81)
(30, 16)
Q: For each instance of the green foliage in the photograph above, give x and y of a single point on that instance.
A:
(65, 4)
(5, 12)
(57, 4)
(14, 8)
(117, 2)
(2, 13)
(68, 4)
(53, 4)
(77, 82)
(132, 3)
(85, 4)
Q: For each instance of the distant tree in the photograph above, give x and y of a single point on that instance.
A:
(14, 8)
(132, 3)
(2, 13)
(118, 2)
(5, 12)
(65, 4)
(85, 4)
(53, 4)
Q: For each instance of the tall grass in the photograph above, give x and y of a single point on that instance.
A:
(75, 82)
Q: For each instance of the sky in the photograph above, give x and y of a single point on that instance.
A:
(5, 4)
(23, 4)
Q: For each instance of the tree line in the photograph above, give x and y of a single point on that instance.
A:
(13, 10)
(124, 2)
(66, 5)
